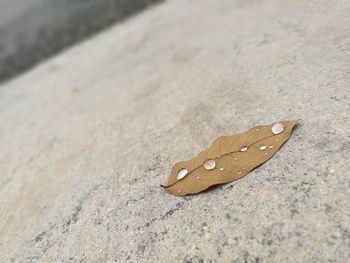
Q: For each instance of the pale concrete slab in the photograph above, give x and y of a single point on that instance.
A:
(87, 137)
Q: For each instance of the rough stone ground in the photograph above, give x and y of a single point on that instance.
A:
(87, 137)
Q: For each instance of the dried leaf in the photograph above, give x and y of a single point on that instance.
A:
(229, 158)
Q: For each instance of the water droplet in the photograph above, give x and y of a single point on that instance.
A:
(235, 158)
(221, 169)
(257, 130)
(265, 153)
(179, 191)
(181, 174)
(197, 177)
(271, 146)
(277, 128)
(209, 165)
(239, 172)
(243, 148)
(262, 147)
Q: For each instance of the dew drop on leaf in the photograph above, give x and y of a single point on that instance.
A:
(182, 174)
(209, 165)
(277, 128)
(243, 148)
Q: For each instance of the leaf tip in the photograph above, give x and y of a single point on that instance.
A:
(296, 121)
(292, 123)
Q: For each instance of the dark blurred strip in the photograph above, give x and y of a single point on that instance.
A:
(33, 30)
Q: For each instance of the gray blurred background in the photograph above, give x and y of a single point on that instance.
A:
(32, 30)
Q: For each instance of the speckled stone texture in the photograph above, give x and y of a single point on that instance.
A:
(87, 137)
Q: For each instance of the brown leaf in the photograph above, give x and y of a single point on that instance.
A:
(227, 159)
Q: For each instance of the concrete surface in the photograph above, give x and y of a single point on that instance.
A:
(87, 138)
(33, 30)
